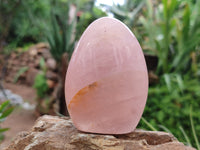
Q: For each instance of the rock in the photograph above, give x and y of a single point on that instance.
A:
(30, 76)
(30, 59)
(42, 45)
(51, 84)
(51, 64)
(37, 63)
(13, 55)
(56, 133)
(51, 75)
(14, 98)
(33, 52)
(46, 53)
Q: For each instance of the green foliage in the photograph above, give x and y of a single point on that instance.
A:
(61, 30)
(128, 12)
(64, 29)
(43, 65)
(148, 124)
(171, 31)
(23, 21)
(40, 83)
(168, 29)
(187, 140)
(7, 10)
(169, 104)
(194, 131)
(45, 20)
(5, 111)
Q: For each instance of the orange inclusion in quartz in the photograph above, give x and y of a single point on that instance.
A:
(78, 97)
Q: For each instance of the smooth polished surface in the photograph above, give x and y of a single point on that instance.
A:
(106, 83)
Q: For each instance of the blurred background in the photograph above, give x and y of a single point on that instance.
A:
(37, 38)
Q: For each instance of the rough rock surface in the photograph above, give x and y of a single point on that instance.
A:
(55, 133)
(29, 61)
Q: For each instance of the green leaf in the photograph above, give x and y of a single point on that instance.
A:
(150, 8)
(1, 137)
(180, 82)
(185, 136)
(3, 130)
(168, 81)
(7, 112)
(165, 129)
(42, 64)
(40, 84)
(186, 22)
(4, 105)
(193, 130)
(165, 8)
(148, 124)
(171, 7)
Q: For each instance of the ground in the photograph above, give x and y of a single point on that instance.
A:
(20, 119)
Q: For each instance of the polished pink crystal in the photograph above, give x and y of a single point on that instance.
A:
(106, 83)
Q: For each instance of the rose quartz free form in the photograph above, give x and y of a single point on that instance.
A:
(106, 83)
